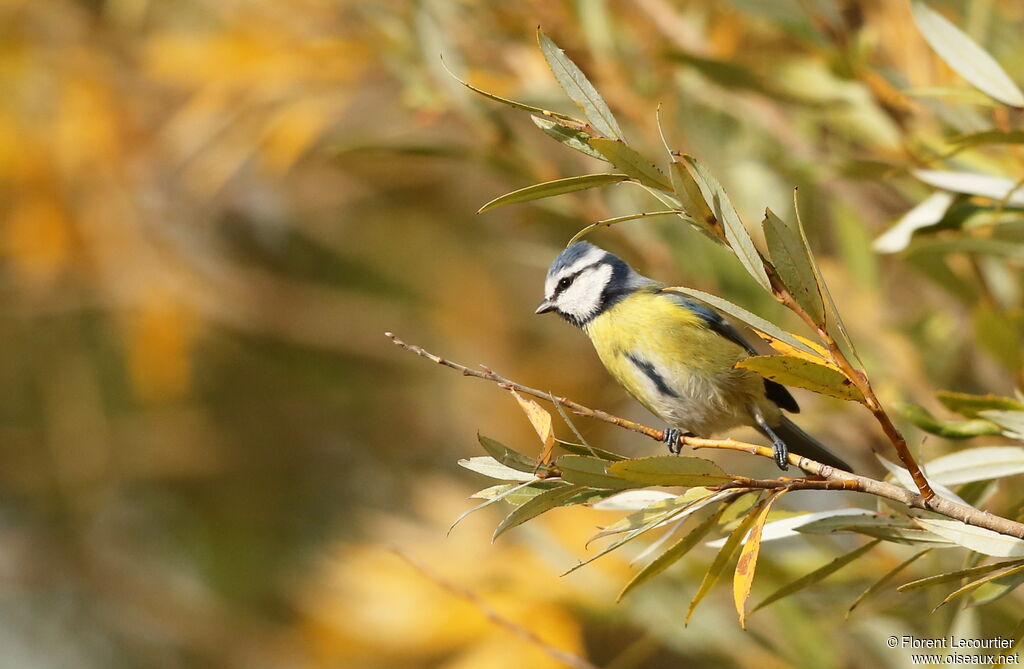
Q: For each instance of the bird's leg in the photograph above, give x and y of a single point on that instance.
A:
(673, 436)
(781, 450)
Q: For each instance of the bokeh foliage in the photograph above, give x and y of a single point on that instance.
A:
(210, 211)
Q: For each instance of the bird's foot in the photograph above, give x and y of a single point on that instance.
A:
(781, 453)
(673, 437)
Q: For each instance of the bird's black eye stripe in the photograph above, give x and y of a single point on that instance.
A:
(565, 282)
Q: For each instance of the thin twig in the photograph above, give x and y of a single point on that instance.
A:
(523, 633)
(854, 482)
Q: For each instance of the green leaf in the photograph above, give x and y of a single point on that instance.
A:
(657, 519)
(517, 494)
(790, 370)
(974, 585)
(938, 579)
(608, 222)
(578, 88)
(552, 188)
(547, 500)
(977, 539)
(735, 232)
(742, 314)
(962, 54)
(956, 429)
(970, 405)
(670, 470)
(976, 464)
(590, 471)
(986, 185)
(507, 493)
(926, 213)
(743, 580)
(1012, 421)
(880, 527)
(885, 580)
(792, 260)
(819, 574)
(723, 557)
(631, 162)
(574, 139)
(657, 509)
(988, 137)
(507, 456)
(488, 466)
(674, 553)
(692, 201)
(512, 103)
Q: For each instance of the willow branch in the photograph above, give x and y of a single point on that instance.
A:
(847, 480)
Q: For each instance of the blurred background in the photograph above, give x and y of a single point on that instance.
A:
(211, 211)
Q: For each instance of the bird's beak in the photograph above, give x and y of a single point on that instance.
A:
(546, 305)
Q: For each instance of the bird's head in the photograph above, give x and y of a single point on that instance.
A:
(584, 280)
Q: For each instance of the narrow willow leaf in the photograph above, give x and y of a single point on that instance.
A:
(792, 260)
(970, 405)
(954, 429)
(635, 500)
(817, 575)
(517, 494)
(722, 558)
(885, 580)
(977, 539)
(889, 529)
(506, 455)
(903, 478)
(972, 183)
(511, 490)
(674, 553)
(552, 188)
(543, 502)
(739, 239)
(820, 355)
(738, 312)
(938, 579)
(608, 222)
(627, 159)
(928, 212)
(1013, 421)
(974, 585)
(963, 54)
(976, 464)
(578, 88)
(802, 373)
(743, 579)
(574, 139)
(512, 103)
(670, 470)
(789, 527)
(488, 466)
(590, 471)
(988, 137)
(657, 520)
(655, 509)
(540, 418)
(689, 195)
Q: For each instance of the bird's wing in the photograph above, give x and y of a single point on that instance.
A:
(717, 323)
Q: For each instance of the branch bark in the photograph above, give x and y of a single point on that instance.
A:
(840, 479)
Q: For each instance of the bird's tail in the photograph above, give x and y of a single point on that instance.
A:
(801, 443)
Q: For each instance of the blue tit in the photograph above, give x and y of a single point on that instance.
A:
(676, 356)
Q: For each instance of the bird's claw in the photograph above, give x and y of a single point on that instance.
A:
(781, 454)
(673, 437)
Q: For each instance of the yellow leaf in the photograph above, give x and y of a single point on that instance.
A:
(541, 421)
(744, 577)
(822, 357)
(791, 370)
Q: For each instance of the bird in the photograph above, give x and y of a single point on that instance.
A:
(674, 355)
